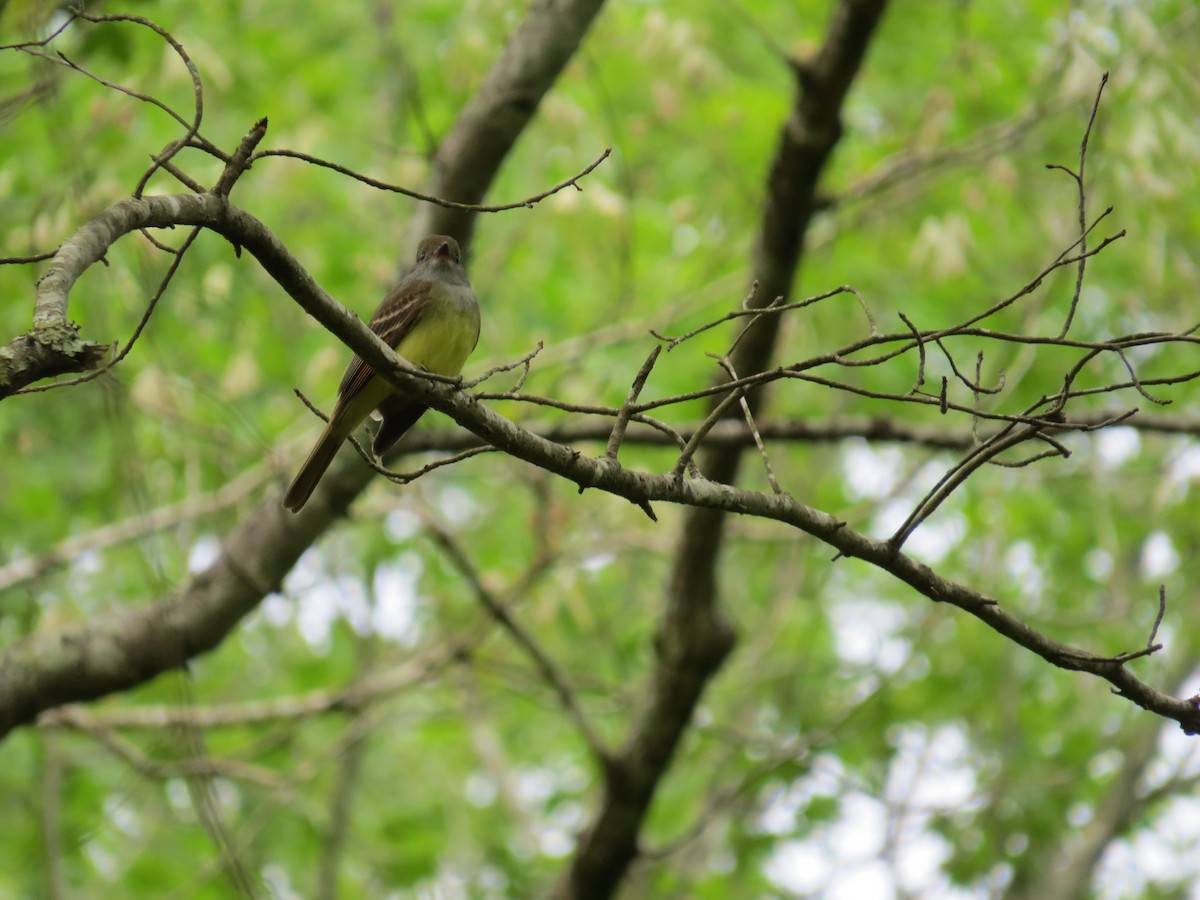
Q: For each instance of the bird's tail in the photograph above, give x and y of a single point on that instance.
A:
(314, 467)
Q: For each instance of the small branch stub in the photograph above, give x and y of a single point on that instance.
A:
(45, 352)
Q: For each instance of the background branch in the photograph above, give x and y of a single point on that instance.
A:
(851, 698)
(694, 637)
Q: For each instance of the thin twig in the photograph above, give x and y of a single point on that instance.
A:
(407, 477)
(745, 310)
(920, 379)
(372, 461)
(975, 386)
(1162, 611)
(527, 203)
(81, 720)
(626, 410)
(523, 639)
(176, 261)
(24, 260)
(524, 363)
(1081, 188)
(727, 365)
(1137, 384)
(955, 477)
(693, 444)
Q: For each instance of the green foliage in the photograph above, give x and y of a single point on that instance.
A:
(469, 776)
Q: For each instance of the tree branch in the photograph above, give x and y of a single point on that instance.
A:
(693, 637)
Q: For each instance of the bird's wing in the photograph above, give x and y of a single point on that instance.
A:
(394, 318)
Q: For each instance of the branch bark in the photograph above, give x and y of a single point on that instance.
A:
(46, 352)
(93, 659)
(693, 637)
(1068, 871)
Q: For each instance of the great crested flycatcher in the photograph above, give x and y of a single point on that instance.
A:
(431, 318)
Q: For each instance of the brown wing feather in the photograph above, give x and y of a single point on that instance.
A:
(398, 416)
(393, 319)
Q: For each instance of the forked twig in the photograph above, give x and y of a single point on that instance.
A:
(1080, 186)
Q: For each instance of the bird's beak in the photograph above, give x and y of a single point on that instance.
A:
(444, 250)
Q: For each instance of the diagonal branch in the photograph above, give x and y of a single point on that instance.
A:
(94, 659)
(550, 672)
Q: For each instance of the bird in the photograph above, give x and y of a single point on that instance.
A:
(431, 318)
